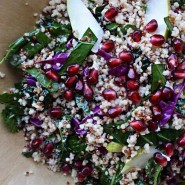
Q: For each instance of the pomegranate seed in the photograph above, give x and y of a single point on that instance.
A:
(134, 97)
(68, 95)
(52, 75)
(132, 73)
(36, 143)
(178, 45)
(160, 159)
(172, 62)
(81, 177)
(87, 170)
(114, 62)
(126, 56)
(167, 93)
(181, 141)
(48, 149)
(156, 97)
(181, 66)
(114, 112)
(108, 46)
(120, 81)
(109, 94)
(157, 113)
(151, 26)
(152, 126)
(157, 40)
(79, 85)
(88, 92)
(93, 76)
(179, 75)
(71, 81)
(136, 36)
(132, 85)
(66, 168)
(78, 165)
(138, 125)
(169, 149)
(56, 112)
(111, 13)
(73, 70)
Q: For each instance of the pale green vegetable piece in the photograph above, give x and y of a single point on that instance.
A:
(114, 147)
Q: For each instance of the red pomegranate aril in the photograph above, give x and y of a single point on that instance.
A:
(108, 46)
(36, 143)
(134, 97)
(172, 62)
(52, 75)
(157, 40)
(126, 57)
(73, 70)
(152, 126)
(136, 35)
(181, 66)
(114, 62)
(181, 141)
(114, 112)
(160, 159)
(81, 177)
(169, 149)
(178, 45)
(78, 165)
(93, 77)
(56, 112)
(120, 81)
(87, 170)
(179, 75)
(88, 92)
(48, 149)
(138, 125)
(132, 73)
(68, 95)
(79, 85)
(111, 13)
(133, 85)
(157, 113)
(151, 26)
(71, 81)
(156, 97)
(66, 168)
(167, 93)
(109, 94)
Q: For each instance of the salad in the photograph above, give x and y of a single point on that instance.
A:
(103, 91)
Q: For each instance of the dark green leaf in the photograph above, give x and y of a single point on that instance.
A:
(145, 63)
(168, 24)
(180, 106)
(27, 154)
(112, 26)
(99, 9)
(148, 138)
(144, 7)
(83, 104)
(76, 144)
(126, 27)
(7, 98)
(42, 39)
(153, 171)
(158, 79)
(79, 54)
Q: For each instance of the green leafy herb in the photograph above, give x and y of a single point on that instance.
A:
(144, 7)
(158, 79)
(126, 27)
(7, 98)
(99, 9)
(180, 106)
(168, 24)
(43, 80)
(79, 54)
(112, 26)
(83, 104)
(27, 154)
(153, 171)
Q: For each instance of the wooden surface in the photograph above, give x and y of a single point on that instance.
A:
(15, 19)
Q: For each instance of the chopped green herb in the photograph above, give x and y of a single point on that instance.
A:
(126, 27)
(168, 24)
(112, 26)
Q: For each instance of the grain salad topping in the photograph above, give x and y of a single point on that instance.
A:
(103, 92)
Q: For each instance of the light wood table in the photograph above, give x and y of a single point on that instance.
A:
(15, 19)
